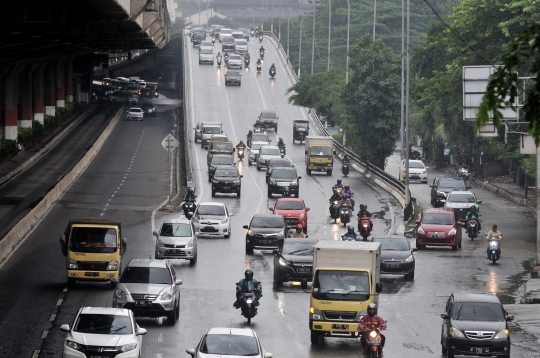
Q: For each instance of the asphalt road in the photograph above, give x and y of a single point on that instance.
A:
(127, 181)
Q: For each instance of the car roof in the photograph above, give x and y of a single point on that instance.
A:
(259, 142)
(475, 297)
(279, 161)
(384, 237)
(270, 146)
(147, 263)
(290, 199)
(267, 216)
(221, 156)
(135, 108)
(233, 331)
(267, 111)
(105, 310)
(300, 240)
(227, 167)
(285, 168)
(461, 192)
(439, 211)
(181, 220)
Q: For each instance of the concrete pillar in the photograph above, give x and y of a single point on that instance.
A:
(25, 96)
(69, 80)
(60, 84)
(9, 101)
(50, 89)
(38, 93)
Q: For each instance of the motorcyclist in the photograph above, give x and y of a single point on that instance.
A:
(347, 190)
(351, 235)
(273, 67)
(281, 144)
(494, 233)
(338, 185)
(226, 56)
(473, 211)
(218, 56)
(345, 159)
(261, 49)
(247, 56)
(364, 212)
(299, 232)
(189, 197)
(249, 136)
(335, 197)
(259, 125)
(247, 284)
(371, 319)
(240, 145)
(345, 201)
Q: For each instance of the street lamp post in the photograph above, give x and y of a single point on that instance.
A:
(374, 17)
(313, 38)
(329, 32)
(348, 27)
(300, 49)
(288, 23)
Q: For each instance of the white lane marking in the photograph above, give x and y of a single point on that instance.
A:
(159, 355)
(391, 230)
(160, 337)
(36, 354)
(53, 317)
(65, 289)
(59, 302)
(44, 334)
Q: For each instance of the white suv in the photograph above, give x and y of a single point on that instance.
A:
(417, 170)
(212, 219)
(225, 33)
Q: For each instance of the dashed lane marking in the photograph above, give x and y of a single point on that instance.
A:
(59, 302)
(44, 334)
(53, 317)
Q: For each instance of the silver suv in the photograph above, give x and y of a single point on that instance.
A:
(176, 240)
(150, 289)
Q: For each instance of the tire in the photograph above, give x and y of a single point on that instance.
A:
(316, 338)
(494, 258)
(177, 310)
(269, 193)
(113, 285)
(249, 162)
(329, 172)
(258, 168)
(249, 320)
(277, 282)
(193, 261)
(297, 195)
(249, 250)
(454, 248)
(459, 244)
(303, 285)
(449, 352)
(171, 318)
(276, 128)
(213, 193)
(419, 246)
(229, 234)
(410, 276)
(305, 230)
(308, 171)
(71, 282)
(238, 194)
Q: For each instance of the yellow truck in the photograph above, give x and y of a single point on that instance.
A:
(345, 281)
(93, 249)
(219, 147)
(319, 154)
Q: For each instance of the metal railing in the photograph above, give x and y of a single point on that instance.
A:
(369, 168)
(187, 118)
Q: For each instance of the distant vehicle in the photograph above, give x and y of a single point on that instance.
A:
(269, 119)
(442, 186)
(284, 178)
(240, 46)
(237, 35)
(254, 151)
(224, 33)
(233, 77)
(266, 153)
(245, 32)
(438, 227)
(205, 44)
(417, 170)
(212, 219)
(206, 55)
(149, 108)
(227, 44)
(294, 210)
(197, 38)
(176, 240)
(235, 61)
(276, 162)
(227, 180)
(461, 202)
(265, 232)
(219, 160)
(135, 113)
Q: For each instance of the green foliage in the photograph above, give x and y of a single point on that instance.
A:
(8, 148)
(372, 101)
(37, 129)
(50, 122)
(338, 137)
(528, 165)
(26, 136)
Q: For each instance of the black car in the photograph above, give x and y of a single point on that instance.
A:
(295, 262)
(227, 44)
(233, 78)
(396, 255)
(265, 231)
(149, 108)
(197, 38)
(442, 186)
(218, 161)
(276, 162)
(282, 178)
(269, 119)
(227, 180)
(475, 324)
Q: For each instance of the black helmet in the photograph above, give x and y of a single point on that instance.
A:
(248, 274)
(372, 307)
(298, 228)
(350, 229)
(339, 181)
(473, 208)
(363, 207)
(190, 190)
(280, 139)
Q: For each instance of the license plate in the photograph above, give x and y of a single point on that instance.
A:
(415, 177)
(265, 241)
(302, 269)
(143, 303)
(479, 350)
(340, 326)
(392, 265)
(91, 274)
(226, 187)
(290, 221)
(98, 357)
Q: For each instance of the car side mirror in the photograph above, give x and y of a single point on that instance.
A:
(431, 186)
(271, 209)
(468, 186)
(268, 355)
(65, 327)
(191, 352)
(299, 178)
(444, 316)
(378, 287)
(141, 331)
(241, 175)
(417, 222)
(308, 209)
(155, 234)
(231, 215)
(178, 282)
(479, 202)
(510, 317)
(245, 227)
(275, 252)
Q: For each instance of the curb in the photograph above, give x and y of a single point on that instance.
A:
(18, 234)
(501, 192)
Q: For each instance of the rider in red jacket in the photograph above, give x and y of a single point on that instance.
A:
(369, 320)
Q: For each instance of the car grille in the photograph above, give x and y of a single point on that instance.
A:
(92, 266)
(480, 335)
(434, 233)
(340, 315)
(209, 229)
(178, 253)
(172, 246)
(145, 297)
(100, 351)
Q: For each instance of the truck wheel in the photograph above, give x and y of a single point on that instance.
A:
(71, 282)
(316, 338)
(249, 250)
(308, 171)
(328, 172)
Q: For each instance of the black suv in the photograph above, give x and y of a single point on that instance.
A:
(281, 178)
(475, 324)
(269, 119)
(442, 186)
(219, 160)
(227, 180)
(265, 231)
(276, 162)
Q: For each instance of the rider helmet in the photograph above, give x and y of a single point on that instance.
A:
(372, 309)
(257, 121)
(190, 190)
(298, 228)
(347, 186)
(344, 196)
(350, 229)
(241, 142)
(473, 208)
(363, 207)
(339, 181)
(248, 274)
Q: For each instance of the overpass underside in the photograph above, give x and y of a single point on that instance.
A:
(50, 49)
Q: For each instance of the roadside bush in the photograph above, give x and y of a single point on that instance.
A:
(26, 136)
(8, 148)
(37, 129)
(50, 122)
(338, 137)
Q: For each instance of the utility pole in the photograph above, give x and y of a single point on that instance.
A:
(313, 38)
(300, 49)
(407, 192)
(288, 23)
(348, 27)
(329, 32)
(374, 17)
(402, 77)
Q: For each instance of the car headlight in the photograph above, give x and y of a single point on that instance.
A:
(72, 264)
(409, 259)
(452, 232)
(303, 215)
(159, 243)
(120, 294)
(421, 231)
(456, 333)
(214, 181)
(424, 172)
(190, 243)
(73, 345)
(128, 347)
(167, 296)
(279, 234)
(236, 181)
(272, 181)
(502, 334)
(294, 183)
(315, 313)
(113, 265)
(250, 232)
(283, 262)
(224, 220)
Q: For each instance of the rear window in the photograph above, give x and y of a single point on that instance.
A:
(211, 130)
(238, 35)
(241, 42)
(438, 219)
(267, 222)
(452, 183)
(283, 174)
(155, 275)
(289, 205)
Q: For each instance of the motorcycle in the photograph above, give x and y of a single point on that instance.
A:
(260, 38)
(282, 151)
(272, 72)
(261, 53)
(344, 216)
(364, 225)
(219, 61)
(249, 142)
(286, 192)
(226, 57)
(494, 249)
(252, 33)
(246, 61)
(240, 153)
(345, 169)
(248, 306)
(334, 210)
(472, 228)
(463, 173)
(189, 209)
(374, 340)
(258, 68)
(213, 40)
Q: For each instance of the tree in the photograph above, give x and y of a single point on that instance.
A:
(372, 101)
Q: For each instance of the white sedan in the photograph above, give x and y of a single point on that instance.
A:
(235, 61)
(212, 219)
(103, 332)
(417, 170)
(135, 113)
(229, 342)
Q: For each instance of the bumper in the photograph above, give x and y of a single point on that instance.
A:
(480, 348)
(206, 60)
(72, 353)
(288, 273)
(226, 188)
(428, 240)
(212, 230)
(227, 48)
(264, 243)
(176, 253)
(234, 65)
(293, 222)
(280, 189)
(155, 310)
(92, 275)
(326, 326)
(320, 166)
(232, 82)
(398, 269)
(418, 176)
(137, 118)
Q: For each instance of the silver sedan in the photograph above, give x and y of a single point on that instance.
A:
(235, 61)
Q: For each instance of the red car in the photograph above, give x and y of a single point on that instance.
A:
(294, 211)
(438, 227)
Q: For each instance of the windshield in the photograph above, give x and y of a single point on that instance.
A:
(341, 285)
(175, 230)
(207, 51)
(452, 183)
(211, 210)
(235, 57)
(269, 151)
(392, 244)
(135, 110)
(228, 39)
(298, 248)
(103, 324)
(228, 344)
(90, 239)
(283, 174)
(226, 31)
(279, 163)
(462, 198)
(321, 151)
(289, 205)
(154, 275)
(212, 130)
(222, 161)
(268, 115)
(417, 165)
(222, 147)
(231, 173)
(238, 36)
(260, 138)
(267, 222)
(438, 219)
(241, 43)
(478, 311)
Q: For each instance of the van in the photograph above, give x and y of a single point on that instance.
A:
(133, 88)
(219, 147)
(208, 130)
(94, 249)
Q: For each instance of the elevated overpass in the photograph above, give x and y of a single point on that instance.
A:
(51, 47)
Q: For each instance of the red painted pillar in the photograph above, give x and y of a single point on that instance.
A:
(60, 84)
(69, 80)
(50, 89)
(38, 86)
(9, 106)
(25, 97)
